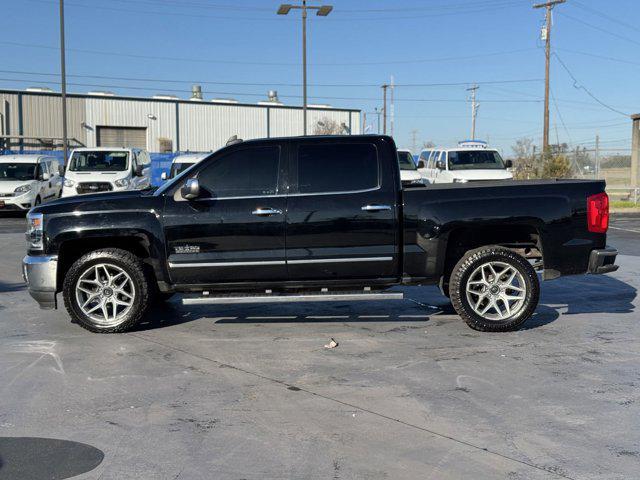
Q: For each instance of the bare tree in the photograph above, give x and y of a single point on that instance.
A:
(428, 144)
(326, 126)
(523, 149)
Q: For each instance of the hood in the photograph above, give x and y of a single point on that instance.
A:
(93, 201)
(10, 186)
(488, 174)
(96, 176)
(408, 175)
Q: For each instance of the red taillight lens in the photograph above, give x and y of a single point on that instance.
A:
(598, 213)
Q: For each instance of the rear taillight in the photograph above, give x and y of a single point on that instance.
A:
(598, 213)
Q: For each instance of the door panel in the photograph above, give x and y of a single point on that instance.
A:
(215, 241)
(344, 234)
(236, 230)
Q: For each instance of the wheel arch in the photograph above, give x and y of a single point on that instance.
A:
(523, 238)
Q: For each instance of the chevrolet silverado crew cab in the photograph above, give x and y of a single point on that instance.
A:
(313, 219)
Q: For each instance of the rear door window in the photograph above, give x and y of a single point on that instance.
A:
(326, 168)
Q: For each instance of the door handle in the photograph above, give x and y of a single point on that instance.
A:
(375, 208)
(266, 212)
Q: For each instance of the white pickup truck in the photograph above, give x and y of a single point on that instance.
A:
(468, 162)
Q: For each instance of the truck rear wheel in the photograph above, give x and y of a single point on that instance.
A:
(494, 289)
(106, 291)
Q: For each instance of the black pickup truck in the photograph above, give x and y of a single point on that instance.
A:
(313, 219)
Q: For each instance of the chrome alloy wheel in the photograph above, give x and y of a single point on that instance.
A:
(496, 291)
(105, 293)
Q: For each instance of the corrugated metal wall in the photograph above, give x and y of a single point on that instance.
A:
(202, 126)
(41, 117)
(205, 127)
(157, 117)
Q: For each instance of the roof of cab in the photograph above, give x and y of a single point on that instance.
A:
(28, 158)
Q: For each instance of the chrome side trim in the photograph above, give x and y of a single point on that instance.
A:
(341, 260)
(346, 297)
(225, 264)
(279, 262)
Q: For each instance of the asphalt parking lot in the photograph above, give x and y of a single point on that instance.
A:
(235, 392)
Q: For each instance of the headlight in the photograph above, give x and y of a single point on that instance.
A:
(35, 231)
(23, 189)
(123, 182)
(460, 180)
(69, 183)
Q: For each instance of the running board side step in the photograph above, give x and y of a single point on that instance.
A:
(286, 298)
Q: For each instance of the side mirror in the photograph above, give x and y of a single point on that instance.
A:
(440, 165)
(163, 176)
(508, 164)
(191, 189)
(61, 170)
(421, 164)
(45, 176)
(139, 171)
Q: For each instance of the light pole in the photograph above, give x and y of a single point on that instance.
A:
(321, 11)
(63, 81)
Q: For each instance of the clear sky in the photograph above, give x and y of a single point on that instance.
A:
(244, 49)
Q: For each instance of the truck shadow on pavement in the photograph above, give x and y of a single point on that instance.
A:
(36, 458)
(6, 287)
(565, 296)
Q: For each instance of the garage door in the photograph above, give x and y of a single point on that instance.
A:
(134, 137)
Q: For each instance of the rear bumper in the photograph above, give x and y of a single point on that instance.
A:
(603, 260)
(40, 273)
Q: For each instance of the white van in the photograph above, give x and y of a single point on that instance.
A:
(106, 169)
(469, 162)
(409, 174)
(182, 162)
(27, 181)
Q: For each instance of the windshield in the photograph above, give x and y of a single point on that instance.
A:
(475, 160)
(99, 161)
(17, 171)
(405, 159)
(177, 168)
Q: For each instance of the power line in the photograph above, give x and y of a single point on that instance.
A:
(603, 57)
(578, 86)
(245, 62)
(604, 15)
(600, 29)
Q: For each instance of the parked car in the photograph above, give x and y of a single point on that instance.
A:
(27, 181)
(469, 162)
(105, 169)
(182, 162)
(408, 171)
(313, 219)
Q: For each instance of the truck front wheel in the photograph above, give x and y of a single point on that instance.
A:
(106, 291)
(494, 289)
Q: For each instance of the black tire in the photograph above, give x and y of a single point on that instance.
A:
(469, 264)
(123, 260)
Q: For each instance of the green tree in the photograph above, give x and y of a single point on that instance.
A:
(556, 166)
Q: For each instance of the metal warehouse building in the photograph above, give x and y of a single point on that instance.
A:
(32, 120)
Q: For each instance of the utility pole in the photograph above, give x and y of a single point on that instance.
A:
(547, 53)
(392, 116)
(321, 11)
(384, 108)
(597, 156)
(63, 89)
(474, 110)
(414, 145)
(377, 111)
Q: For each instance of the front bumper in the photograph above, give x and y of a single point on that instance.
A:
(603, 260)
(40, 273)
(14, 204)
